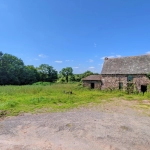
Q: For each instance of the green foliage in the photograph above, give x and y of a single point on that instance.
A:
(11, 70)
(66, 72)
(87, 73)
(14, 72)
(56, 97)
(47, 73)
(148, 75)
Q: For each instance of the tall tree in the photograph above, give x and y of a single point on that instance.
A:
(31, 74)
(11, 70)
(47, 73)
(66, 72)
(87, 73)
(52, 74)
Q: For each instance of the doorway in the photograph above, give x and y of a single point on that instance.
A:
(120, 85)
(92, 85)
(143, 88)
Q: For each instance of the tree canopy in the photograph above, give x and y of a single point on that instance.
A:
(13, 71)
(66, 72)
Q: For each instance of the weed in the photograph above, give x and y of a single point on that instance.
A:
(51, 97)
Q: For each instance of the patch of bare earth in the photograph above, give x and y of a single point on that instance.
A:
(111, 126)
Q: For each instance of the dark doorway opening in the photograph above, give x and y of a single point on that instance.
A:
(120, 85)
(92, 85)
(143, 88)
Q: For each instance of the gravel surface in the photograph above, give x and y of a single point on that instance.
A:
(83, 129)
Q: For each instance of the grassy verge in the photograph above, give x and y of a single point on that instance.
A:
(56, 97)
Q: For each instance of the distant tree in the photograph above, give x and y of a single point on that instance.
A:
(1, 54)
(47, 73)
(77, 77)
(71, 78)
(31, 74)
(66, 72)
(148, 75)
(87, 73)
(52, 74)
(11, 69)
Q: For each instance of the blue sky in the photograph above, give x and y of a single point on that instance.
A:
(74, 33)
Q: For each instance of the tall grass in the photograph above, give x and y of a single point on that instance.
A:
(54, 97)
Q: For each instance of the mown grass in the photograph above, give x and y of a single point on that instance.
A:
(51, 97)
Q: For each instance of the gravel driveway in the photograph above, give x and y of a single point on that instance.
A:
(83, 129)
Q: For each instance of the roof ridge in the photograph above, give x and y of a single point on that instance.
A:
(127, 56)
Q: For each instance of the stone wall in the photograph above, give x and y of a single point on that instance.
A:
(87, 83)
(112, 81)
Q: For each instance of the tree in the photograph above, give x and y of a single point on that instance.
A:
(47, 73)
(148, 75)
(52, 74)
(11, 69)
(31, 74)
(87, 73)
(78, 77)
(66, 72)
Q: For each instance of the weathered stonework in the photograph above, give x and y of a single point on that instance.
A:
(97, 84)
(112, 81)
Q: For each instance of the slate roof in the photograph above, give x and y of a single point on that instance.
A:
(92, 77)
(127, 65)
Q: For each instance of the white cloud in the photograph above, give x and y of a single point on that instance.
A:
(113, 56)
(58, 61)
(36, 59)
(42, 56)
(90, 60)
(118, 56)
(67, 60)
(76, 67)
(148, 52)
(91, 67)
(103, 57)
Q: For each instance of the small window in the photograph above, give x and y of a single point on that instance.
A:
(129, 78)
(120, 85)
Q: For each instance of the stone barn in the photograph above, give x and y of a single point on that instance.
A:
(92, 81)
(125, 72)
(122, 73)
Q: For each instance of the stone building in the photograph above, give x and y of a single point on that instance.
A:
(123, 73)
(93, 81)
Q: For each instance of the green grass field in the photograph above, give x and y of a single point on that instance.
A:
(51, 97)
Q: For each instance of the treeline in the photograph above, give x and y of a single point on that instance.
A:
(13, 71)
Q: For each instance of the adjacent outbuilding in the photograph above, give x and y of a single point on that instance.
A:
(92, 81)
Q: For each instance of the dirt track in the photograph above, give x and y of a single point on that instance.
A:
(84, 129)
